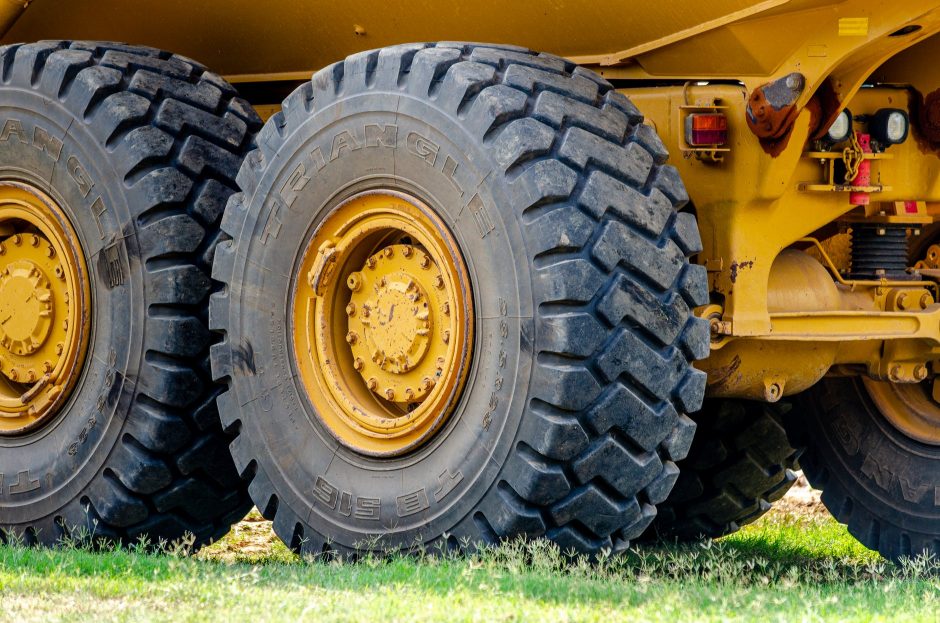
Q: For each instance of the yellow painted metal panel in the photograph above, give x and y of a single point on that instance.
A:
(250, 37)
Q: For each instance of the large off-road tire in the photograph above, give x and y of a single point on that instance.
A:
(740, 463)
(139, 149)
(880, 481)
(560, 204)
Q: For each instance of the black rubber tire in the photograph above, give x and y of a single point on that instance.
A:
(740, 463)
(139, 448)
(882, 484)
(569, 425)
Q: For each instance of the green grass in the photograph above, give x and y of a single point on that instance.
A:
(783, 568)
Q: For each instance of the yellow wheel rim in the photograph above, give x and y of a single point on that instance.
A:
(44, 305)
(382, 323)
(910, 407)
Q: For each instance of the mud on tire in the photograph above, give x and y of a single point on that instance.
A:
(559, 196)
(141, 150)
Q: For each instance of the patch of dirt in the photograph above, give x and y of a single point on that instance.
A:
(251, 538)
(801, 500)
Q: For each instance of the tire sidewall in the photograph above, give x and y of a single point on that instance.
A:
(893, 476)
(426, 493)
(41, 472)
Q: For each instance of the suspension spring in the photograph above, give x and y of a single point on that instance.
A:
(879, 251)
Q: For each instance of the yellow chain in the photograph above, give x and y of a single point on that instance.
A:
(853, 155)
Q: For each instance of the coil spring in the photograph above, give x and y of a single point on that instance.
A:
(879, 251)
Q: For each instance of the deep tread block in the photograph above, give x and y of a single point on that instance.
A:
(740, 462)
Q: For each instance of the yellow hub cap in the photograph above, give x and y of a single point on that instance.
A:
(382, 323)
(43, 308)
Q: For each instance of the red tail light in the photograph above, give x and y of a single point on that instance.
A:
(706, 130)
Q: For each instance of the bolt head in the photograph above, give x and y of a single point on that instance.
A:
(388, 252)
(351, 309)
(354, 282)
(446, 308)
(358, 364)
(446, 336)
(409, 394)
(427, 383)
(407, 251)
(920, 372)
(15, 239)
(371, 263)
(34, 240)
(351, 337)
(439, 282)
(424, 261)
(372, 384)
(390, 394)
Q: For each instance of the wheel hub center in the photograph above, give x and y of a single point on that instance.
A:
(391, 321)
(25, 307)
(396, 324)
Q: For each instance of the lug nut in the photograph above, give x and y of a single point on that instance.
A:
(424, 261)
(926, 300)
(372, 384)
(47, 367)
(59, 348)
(15, 239)
(446, 336)
(354, 282)
(407, 251)
(409, 394)
(351, 309)
(446, 308)
(920, 372)
(34, 240)
(427, 383)
(13, 375)
(358, 364)
(390, 394)
(895, 372)
(351, 337)
(439, 282)
(371, 263)
(387, 252)
(50, 252)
